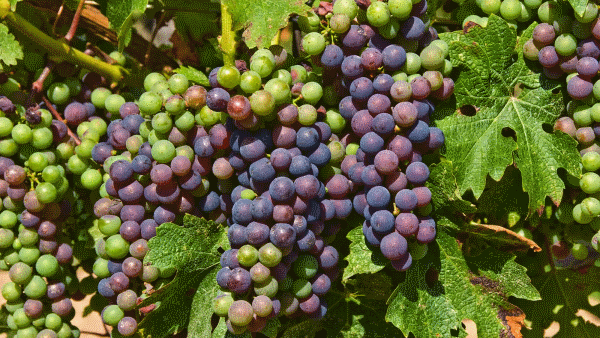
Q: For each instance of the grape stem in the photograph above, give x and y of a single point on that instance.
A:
(38, 84)
(75, 22)
(62, 51)
(227, 37)
(58, 117)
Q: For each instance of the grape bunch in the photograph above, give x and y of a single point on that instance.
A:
(279, 228)
(34, 234)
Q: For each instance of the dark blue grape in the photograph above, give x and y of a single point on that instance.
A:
(141, 164)
(352, 67)
(120, 171)
(328, 208)
(104, 288)
(417, 173)
(282, 189)
(101, 152)
(393, 246)
(371, 59)
(548, 57)
(239, 280)
(307, 187)
(306, 241)
(29, 219)
(436, 138)
(361, 122)
(328, 258)
(383, 83)
(313, 211)
(323, 130)
(370, 176)
(378, 104)
(146, 150)
(229, 259)
(282, 235)
(131, 193)
(361, 88)
(262, 209)
(209, 202)
(132, 123)
(321, 284)
(281, 159)
(394, 57)
(300, 166)
(118, 138)
(320, 157)
(132, 212)
(252, 149)
(311, 304)
(262, 171)
(236, 161)
(217, 99)
(413, 28)
(371, 143)
(300, 225)
(426, 233)
(307, 139)
(378, 42)
(355, 173)
(257, 233)
(242, 211)
(403, 263)
(360, 203)
(203, 147)
(191, 181)
(406, 200)
(347, 107)
(407, 224)
(332, 57)
(419, 132)
(163, 214)
(148, 229)
(382, 221)
(343, 208)
(237, 235)
(355, 38)
(378, 197)
(56, 290)
(75, 113)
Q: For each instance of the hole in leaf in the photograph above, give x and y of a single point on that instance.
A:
(507, 132)
(468, 110)
(431, 277)
(555, 90)
(547, 127)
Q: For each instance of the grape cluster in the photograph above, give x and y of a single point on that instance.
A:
(34, 241)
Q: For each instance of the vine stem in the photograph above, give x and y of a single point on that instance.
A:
(75, 23)
(58, 117)
(227, 36)
(62, 50)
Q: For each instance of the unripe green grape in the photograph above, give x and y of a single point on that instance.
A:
(29, 255)
(400, 8)
(279, 89)
(533, 4)
(549, 11)
(590, 183)
(307, 115)
(221, 304)
(58, 93)
(20, 273)
(582, 116)
(309, 22)
(47, 266)
(580, 251)
(591, 161)
(313, 43)
(306, 266)
(347, 7)
(262, 103)
(11, 291)
(590, 206)
(99, 96)
(113, 103)
(565, 44)
(228, 76)
(312, 92)
(263, 66)
(339, 23)
(7, 237)
(301, 288)
(510, 9)
(8, 147)
(378, 13)
(149, 103)
(590, 13)
(268, 288)
(336, 122)
(117, 247)
(53, 321)
(247, 255)
(490, 6)
(41, 138)
(269, 255)
(112, 314)
(250, 81)
(526, 14)
(579, 216)
(21, 133)
(299, 74)
(151, 79)
(178, 83)
(100, 268)
(412, 64)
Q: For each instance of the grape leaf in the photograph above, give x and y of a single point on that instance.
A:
(11, 50)
(512, 103)
(262, 19)
(193, 75)
(503, 197)
(185, 302)
(445, 195)
(566, 302)
(578, 6)
(122, 14)
(443, 288)
(361, 259)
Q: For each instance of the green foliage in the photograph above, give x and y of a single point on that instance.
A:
(578, 6)
(262, 19)
(508, 98)
(566, 301)
(361, 259)
(11, 50)
(122, 14)
(193, 75)
(445, 285)
(186, 302)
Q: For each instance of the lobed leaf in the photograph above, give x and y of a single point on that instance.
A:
(11, 50)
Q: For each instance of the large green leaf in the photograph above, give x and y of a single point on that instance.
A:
(512, 103)
(186, 301)
(122, 14)
(361, 260)
(263, 19)
(443, 288)
(11, 50)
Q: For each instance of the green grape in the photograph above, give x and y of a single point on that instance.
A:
(100, 268)
(27, 237)
(74, 85)
(228, 76)
(221, 304)
(6, 126)
(113, 103)
(262, 65)
(51, 174)
(178, 83)
(41, 138)
(306, 266)
(163, 151)
(151, 79)
(580, 251)
(247, 255)
(549, 11)
(37, 162)
(590, 206)
(53, 322)
(209, 117)
(378, 14)
(533, 4)
(313, 43)
(510, 9)
(279, 90)
(590, 13)
(400, 8)
(150, 103)
(99, 96)
(117, 247)
(6, 238)
(112, 314)
(348, 7)
(91, 179)
(160, 87)
(412, 64)
(591, 161)
(269, 255)
(21, 319)
(262, 103)
(309, 22)
(307, 115)
(77, 165)
(267, 288)
(58, 93)
(8, 148)
(301, 288)
(109, 225)
(312, 92)
(337, 150)
(20, 273)
(339, 23)
(490, 6)
(8, 219)
(336, 122)
(526, 14)
(118, 57)
(46, 192)
(29, 255)
(432, 57)
(47, 266)
(162, 123)
(299, 74)
(565, 44)
(185, 121)
(250, 81)
(84, 150)
(590, 183)
(21, 133)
